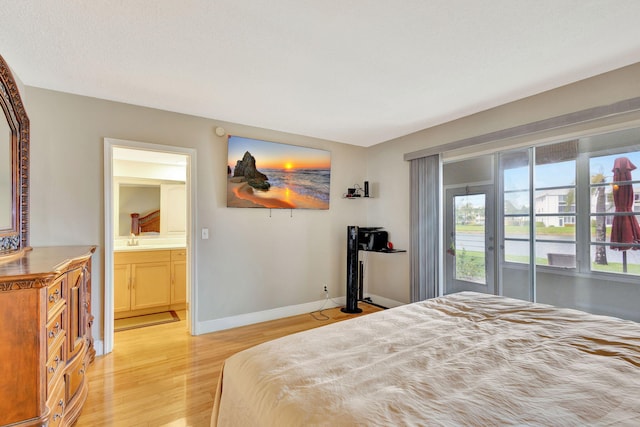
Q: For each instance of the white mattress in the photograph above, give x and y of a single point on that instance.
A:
(464, 359)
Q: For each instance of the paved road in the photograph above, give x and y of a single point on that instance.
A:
(475, 242)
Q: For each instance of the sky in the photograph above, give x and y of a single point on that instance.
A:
(564, 173)
(273, 155)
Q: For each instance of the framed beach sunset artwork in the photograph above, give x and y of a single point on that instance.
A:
(265, 174)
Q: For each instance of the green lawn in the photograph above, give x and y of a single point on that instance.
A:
(472, 263)
(524, 230)
(475, 260)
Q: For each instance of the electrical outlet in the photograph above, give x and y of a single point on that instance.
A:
(325, 289)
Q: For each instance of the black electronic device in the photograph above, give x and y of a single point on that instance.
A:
(372, 238)
(378, 240)
(363, 237)
(366, 189)
(368, 229)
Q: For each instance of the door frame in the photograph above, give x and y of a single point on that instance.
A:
(490, 231)
(192, 289)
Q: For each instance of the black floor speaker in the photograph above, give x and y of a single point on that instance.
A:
(352, 271)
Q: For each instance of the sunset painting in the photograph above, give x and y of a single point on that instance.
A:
(264, 174)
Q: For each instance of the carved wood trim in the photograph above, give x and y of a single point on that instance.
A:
(20, 123)
(24, 284)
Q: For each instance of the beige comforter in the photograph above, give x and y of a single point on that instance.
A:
(466, 359)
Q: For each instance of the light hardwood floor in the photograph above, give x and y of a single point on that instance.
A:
(162, 376)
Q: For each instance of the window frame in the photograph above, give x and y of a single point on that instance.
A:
(582, 215)
(587, 214)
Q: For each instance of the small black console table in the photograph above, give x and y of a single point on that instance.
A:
(370, 239)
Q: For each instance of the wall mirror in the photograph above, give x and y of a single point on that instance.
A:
(149, 194)
(159, 207)
(139, 198)
(14, 168)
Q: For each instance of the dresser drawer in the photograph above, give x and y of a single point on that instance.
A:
(57, 405)
(55, 295)
(55, 330)
(56, 362)
(74, 376)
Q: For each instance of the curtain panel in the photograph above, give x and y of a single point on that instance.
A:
(425, 226)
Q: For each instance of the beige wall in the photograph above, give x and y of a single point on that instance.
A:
(253, 260)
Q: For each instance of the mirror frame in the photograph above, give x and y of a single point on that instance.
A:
(16, 238)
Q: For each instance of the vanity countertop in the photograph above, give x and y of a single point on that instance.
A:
(149, 244)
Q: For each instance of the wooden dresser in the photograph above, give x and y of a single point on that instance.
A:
(45, 335)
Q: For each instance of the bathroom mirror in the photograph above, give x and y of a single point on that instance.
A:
(14, 171)
(136, 198)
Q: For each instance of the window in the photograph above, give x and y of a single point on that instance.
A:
(615, 234)
(469, 232)
(516, 212)
(555, 195)
(554, 204)
(602, 230)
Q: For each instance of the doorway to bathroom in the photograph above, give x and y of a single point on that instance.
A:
(148, 229)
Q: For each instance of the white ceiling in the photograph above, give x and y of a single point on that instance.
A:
(148, 156)
(353, 71)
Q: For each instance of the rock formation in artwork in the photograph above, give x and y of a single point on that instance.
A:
(246, 168)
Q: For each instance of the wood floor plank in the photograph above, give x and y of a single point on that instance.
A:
(162, 376)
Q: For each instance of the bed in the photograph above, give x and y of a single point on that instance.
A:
(463, 359)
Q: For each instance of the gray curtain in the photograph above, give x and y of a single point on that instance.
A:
(425, 226)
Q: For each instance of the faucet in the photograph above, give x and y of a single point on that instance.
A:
(132, 241)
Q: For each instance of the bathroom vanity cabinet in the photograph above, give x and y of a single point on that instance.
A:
(149, 281)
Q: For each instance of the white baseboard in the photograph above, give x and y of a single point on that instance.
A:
(385, 302)
(261, 316)
(278, 313)
(98, 346)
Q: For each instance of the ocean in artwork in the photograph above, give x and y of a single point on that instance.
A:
(313, 183)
